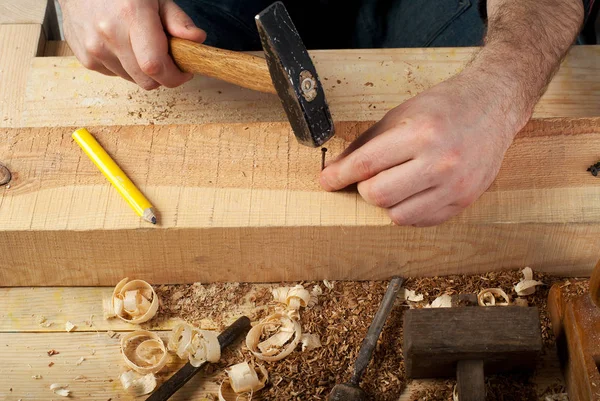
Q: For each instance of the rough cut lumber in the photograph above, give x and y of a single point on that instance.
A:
(360, 85)
(19, 43)
(37, 12)
(241, 202)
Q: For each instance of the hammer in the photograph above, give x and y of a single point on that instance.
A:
(442, 342)
(288, 72)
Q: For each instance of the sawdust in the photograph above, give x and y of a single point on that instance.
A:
(341, 319)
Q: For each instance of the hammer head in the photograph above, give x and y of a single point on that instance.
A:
(294, 77)
(504, 338)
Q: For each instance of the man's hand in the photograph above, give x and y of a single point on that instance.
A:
(434, 155)
(430, 157)
(127, 38)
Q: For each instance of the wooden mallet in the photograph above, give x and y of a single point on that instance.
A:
(468, 341)
(288, 72)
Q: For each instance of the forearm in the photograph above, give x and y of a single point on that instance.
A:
(525, 43)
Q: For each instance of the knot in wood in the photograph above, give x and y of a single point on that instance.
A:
(5, 175)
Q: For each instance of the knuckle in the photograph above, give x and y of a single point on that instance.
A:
(105, 28)
(89, 63)
(94, 47)
(363, 164)
(378, 196)
(127, 8)
(466, 200)
(151, 66)
(399, 218)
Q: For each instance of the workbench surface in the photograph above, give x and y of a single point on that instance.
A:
(52, 89)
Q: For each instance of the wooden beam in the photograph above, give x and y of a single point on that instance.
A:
(360, 85)
(241, 202)
(18, 45)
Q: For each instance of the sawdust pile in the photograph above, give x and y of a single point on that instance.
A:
(341, 319)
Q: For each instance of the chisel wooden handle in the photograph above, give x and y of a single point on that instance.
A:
(237, 68)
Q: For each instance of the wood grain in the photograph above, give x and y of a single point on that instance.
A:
(57, 48)
(576, 325)
(19, 43)
(359, 84)
(595, 285)
(237, 68)
(232, 198)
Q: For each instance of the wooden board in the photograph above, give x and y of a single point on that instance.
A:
(233, 198)
(57, 48)
(360, 85)
(37, 12)
(24, 354)
(19, 43)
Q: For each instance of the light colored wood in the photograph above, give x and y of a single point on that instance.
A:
(233, 197)
(19, 43)
(37, 12)
(238, 68)
(21, 307)
(57, 48)
(359, 85)
(25, 355)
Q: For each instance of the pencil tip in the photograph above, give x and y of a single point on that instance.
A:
(153, 221)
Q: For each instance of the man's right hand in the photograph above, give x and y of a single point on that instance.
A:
(127, 38)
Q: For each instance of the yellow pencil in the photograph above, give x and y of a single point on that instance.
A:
(115, 175)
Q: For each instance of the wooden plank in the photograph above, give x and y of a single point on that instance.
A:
(231, 198)
(57, 48)
(22, 307)
(18, 45)
(23, 12)
(25, 355)
(360, 85)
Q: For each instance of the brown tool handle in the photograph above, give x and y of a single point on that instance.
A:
(234, 67)
(470, 381)
(595, 285)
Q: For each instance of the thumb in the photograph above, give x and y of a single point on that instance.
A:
(179, 24)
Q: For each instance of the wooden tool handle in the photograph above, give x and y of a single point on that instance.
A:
(470, 381)
(234, 67)
(595, 285)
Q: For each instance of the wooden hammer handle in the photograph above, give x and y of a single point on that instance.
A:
(595, 285)
(234, 67)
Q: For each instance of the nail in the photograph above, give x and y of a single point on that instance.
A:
(5, 175)
(323, 151)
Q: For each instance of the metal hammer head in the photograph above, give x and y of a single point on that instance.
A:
(294, 77)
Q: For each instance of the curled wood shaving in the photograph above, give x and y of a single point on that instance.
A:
(527, 285)
(69, 327)
(455, 393)
(443, 301)
(136, 384)
(147, 354)
(243, 381)
(132, 301)
(310, 341)
(294, 297)
(328, 284)
(487, 297)
(80, 361)
(59, 389)
(274, 337)
(197, 345)
(314, 296)
(410, 295)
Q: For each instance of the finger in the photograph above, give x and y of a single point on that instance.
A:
(440, 216)
(114, 65)
(130, 65)
(179, 24)
(383, 151)
(396, 184)
(151, 50)
(419, 206)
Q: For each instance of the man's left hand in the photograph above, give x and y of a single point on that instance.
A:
(433, 155)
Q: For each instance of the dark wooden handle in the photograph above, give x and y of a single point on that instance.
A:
(234, 67)
(595, 285)
(470, 380)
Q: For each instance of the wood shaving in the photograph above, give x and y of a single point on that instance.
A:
(59, 389)
(80, 361)
(329, 284)
(527, 285)
(143, 351)
(411, 295)
(198, 346)
(136, 384)
(69, 326)
(487, 297)
(36, 377)
(43, 322)
(310, 342)
(132, 301)
(53, 352)
(274, 337)
(443, 301)
(294, 297)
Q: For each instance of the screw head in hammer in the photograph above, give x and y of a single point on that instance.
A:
(294, 77)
